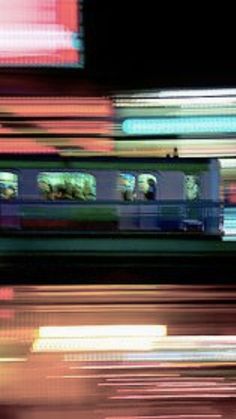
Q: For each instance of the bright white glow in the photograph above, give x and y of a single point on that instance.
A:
(13, 359)
(97, 344)
(93, 332)
(196, 93)
(228, 163)
(203, 102)
(98, 338)
(19, 39)
(185, 348)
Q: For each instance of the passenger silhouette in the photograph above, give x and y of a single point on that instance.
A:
(150, 194)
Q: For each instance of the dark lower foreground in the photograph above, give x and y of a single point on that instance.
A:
(66, 352)
(163, 410)
(114, 245)
(112, 259)
(83, 269)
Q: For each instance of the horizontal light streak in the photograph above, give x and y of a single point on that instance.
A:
(196, 93)
(107, 376)
(102, 331)
(228, 163)
(181, 92)
(62, 146)
(186, 148)
(55, 106)
(167, 386)
(181, 341)
(174, 111)
(223, 355)
(231, 238)
(157, 389)
(55, 127)
(114, 367)
(8, 360)
(19, 40)
(93, 146)
(175, 416)
(6, 293)
(179, 126)
(169, 349)
(96, 344)
(97, 338)
(198, 102)
(164, 379)
(173, 396)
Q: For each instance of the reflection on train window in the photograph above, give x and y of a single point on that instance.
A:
(8, 185)
(126, 186)
(147, 185)
(72, 186)
(192, 187)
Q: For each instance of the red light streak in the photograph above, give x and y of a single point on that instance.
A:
(6, 294)
(7, 314)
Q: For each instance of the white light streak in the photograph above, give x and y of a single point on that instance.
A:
(228, 163)
(18, 40)
(101, 331)
(196, 93)
(13, 360)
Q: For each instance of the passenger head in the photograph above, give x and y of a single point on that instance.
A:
(44, 186)
(8, 192)
(60, 191)
(46, 189)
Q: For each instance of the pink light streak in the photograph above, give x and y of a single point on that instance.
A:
(38, 32)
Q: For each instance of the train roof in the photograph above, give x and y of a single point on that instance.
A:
(103, 163)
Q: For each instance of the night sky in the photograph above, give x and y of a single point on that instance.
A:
(153, 43)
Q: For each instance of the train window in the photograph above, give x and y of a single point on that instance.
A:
(192, 187)
(64, 185)
(147, 185)
(126, 186)
(8, 185)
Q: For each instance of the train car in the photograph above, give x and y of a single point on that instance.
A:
(55, 194)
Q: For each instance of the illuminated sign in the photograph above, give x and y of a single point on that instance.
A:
(40, 33)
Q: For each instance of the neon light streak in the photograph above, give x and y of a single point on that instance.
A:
(180, 126)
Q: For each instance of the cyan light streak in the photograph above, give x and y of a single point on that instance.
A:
(179, 126)
(230, 222)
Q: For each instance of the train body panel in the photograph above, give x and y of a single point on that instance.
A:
(110, 195)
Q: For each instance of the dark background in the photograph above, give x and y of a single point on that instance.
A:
(141, 44)
(159, 43)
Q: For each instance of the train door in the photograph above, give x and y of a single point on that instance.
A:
(148, 196)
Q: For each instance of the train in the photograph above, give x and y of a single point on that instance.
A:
(44, 193)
